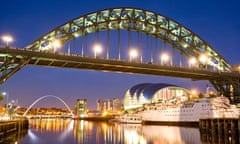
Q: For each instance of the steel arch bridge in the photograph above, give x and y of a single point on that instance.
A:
(42, 51)
(180, 37)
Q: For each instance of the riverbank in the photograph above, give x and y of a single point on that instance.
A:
(97, 118)
(13, 130)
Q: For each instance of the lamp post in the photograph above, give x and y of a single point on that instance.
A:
(193, 93)
(192, 61)
(7, 39)
(133, 54)
(203, 60)
(164, 58)
(97, 48)
(56, 44)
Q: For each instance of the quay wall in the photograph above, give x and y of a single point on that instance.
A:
(13, 128)
(173, 123)
(220, 130)
(96, 118)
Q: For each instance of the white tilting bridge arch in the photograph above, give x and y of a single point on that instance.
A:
(43, 97)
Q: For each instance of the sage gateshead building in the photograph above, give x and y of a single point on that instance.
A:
(144, 93)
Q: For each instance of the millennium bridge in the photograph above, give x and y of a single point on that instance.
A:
(126, 40)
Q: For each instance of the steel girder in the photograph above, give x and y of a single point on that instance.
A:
(172, 32)
(10, 65)
(229, 86)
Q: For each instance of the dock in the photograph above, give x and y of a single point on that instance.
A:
(94, 118)
(220, 130)
(12, 130)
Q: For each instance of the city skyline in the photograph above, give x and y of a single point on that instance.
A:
(216, 22)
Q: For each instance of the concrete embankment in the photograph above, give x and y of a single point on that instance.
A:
(13, 130)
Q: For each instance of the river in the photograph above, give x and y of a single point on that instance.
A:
(68, 131)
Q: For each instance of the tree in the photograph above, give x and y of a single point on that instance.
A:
(212, 94)
(201, 95)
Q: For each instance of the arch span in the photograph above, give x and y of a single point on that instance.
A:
(43, 97)
(124, 18)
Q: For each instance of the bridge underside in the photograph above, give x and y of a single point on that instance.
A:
(228, 86)
(19, 58)
(227, 83)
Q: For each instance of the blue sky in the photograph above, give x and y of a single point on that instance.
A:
(215, 21)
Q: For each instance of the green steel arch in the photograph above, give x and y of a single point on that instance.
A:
(159, 26)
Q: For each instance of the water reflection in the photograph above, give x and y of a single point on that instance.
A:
(171, 135)
(96, 132)
(52, 125)
(155, 134)
(88, 132)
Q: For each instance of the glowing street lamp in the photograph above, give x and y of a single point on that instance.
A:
(192, 61)
(97, 49)
(133, 54)
(56, 44)
(7, 39)
(164, 58)
(203, 59)
(194, 92)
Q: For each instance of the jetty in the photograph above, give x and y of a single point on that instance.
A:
(13, 130)
(220, 130)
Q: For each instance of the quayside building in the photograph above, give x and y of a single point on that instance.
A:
(144, 93)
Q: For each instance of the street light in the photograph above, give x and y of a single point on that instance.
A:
(192, 61)
(7, 39)
(56, 44)
(203, 59)
(133, 54)
(164, 58)
(97, 48)
(194, 92)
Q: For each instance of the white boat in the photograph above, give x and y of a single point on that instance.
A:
(183, 112)
(128, 118)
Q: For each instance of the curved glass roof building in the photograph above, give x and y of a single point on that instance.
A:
(144, 93)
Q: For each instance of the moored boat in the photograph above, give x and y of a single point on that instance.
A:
(188, 112)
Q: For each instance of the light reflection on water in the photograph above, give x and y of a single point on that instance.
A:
(51, 131)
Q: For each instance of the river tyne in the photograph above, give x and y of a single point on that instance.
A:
(68, 131)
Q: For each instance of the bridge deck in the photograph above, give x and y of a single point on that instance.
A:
(112, 65)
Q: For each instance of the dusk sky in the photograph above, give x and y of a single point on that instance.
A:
(215, 21)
